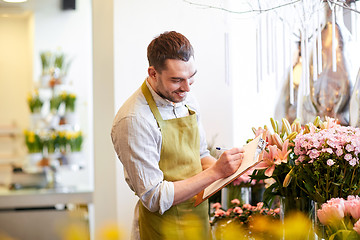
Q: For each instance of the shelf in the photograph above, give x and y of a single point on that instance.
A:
(9, 131)
(44, 197)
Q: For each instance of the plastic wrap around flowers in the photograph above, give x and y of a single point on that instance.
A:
(341, 217)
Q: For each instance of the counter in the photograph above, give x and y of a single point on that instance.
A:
(44, 197)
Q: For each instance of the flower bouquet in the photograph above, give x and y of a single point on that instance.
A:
(34, 102)
(278, 162)
(74, 140)
(341, 218)
(75, 159)
(69, 99)
(45, 61)
(51, 142)
(33, 142)
(327, 160)
(55, 103)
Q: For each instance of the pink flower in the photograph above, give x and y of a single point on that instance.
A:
(235, 201)
(349, 148)
(348, 157)
(216, 205)
(357, 227)
(339, 152)
(353, 207)
(328, 150)
(268, 161)
(333, 210)
(283, 154)
(353, 162)
(219, 213)
(247, 206)
(238, 210)
(330, 162)
(277, 210)
(228, 212)
(259, 205)
(313, 153)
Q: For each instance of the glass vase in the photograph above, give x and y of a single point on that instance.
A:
(291, 204)
(319, 228)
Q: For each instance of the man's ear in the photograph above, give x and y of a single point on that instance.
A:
(152, 73)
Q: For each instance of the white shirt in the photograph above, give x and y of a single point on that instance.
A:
(137, 141)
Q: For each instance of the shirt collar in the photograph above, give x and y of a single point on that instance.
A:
(160, 101)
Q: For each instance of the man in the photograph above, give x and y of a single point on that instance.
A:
(158, 137)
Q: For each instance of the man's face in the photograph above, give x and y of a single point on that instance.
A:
(174, 81)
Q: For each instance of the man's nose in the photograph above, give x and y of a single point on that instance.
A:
(185, 86)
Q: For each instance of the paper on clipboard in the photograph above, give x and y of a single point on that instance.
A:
(251, 157)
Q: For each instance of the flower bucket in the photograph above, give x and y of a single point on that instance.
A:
(75, 160)
(71, 118)
(34, 158)
(35, 120)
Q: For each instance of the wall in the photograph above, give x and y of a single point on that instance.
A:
(16, 53)
(138, 22)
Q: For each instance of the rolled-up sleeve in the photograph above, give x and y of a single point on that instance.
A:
(137, 144)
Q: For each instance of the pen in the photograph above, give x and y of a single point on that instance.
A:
(221, 148)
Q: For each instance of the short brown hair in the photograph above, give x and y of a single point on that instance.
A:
(168, 45)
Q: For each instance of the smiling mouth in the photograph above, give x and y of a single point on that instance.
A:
(181, 94)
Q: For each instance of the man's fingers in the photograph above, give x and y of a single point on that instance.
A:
(235, 150)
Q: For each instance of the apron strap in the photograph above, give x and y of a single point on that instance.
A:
(149, 98)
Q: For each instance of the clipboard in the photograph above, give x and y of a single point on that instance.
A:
(252, 154)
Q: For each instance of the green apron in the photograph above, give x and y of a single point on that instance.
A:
(179, 159)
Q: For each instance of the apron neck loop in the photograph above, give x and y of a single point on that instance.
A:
(149, 98)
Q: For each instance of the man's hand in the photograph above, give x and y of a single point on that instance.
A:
(226, 165)
(228, 162)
